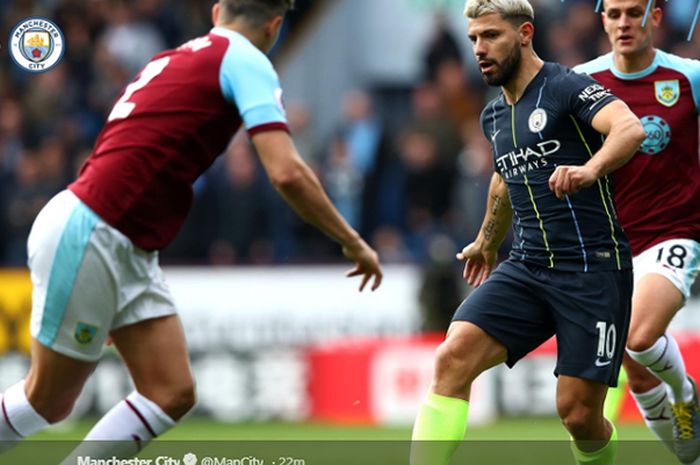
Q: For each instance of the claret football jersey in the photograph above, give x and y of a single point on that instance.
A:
(658, 191)
(168, 127)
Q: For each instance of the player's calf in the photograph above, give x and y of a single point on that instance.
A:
(53, 405)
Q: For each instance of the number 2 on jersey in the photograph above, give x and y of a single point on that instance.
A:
(124, 107)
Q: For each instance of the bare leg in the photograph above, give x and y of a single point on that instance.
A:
(156, 355)
(442, 418)
(466, 353)
(54, 382)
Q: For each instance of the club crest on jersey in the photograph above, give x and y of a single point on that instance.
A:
(667, 92)
(537, 121)
(84, 333)
(36, 44)
(658, 134)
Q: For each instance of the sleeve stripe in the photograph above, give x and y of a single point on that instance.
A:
(267, 127)
(602, 195)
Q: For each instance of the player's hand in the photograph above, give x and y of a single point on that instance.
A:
(366, 263)
(568, 180)
(478, 264)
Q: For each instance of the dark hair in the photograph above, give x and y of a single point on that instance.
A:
(255, 11)
(654, 4)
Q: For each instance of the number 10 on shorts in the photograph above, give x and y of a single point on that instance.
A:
(607, 336)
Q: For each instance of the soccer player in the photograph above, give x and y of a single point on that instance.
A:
(570, 270)
(93, 248)
(658, 199)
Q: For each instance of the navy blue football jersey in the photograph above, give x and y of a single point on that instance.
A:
(550, 126)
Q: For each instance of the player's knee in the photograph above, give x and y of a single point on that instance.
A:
(450, 359)
(580, 422)
(578, 418)
(454, 368)
(175, 400)
(642, 340)
(181, 400)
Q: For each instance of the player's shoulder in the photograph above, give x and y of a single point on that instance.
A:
(596, 65)
(564, 80)
(686, 66)
(241, 52)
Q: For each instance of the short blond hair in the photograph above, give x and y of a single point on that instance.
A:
(520, 10)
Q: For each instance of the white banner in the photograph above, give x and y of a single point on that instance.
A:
(245, 309)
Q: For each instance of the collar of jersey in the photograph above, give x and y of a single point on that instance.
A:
(230, 33)
(639, 74)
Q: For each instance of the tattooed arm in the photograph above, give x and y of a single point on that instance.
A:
(480, 256)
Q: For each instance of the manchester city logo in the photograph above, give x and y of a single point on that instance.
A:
(36, 44)
(537, 120)
(658, 135)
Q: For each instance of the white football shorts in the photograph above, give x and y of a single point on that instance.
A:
(678, 260)
(88, 279)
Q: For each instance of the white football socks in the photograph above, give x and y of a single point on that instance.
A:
(19, 419)
(655, 407)
(126, 429)
(665, 361)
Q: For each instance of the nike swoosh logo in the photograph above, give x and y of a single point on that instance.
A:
(600, 363)
(495, 134)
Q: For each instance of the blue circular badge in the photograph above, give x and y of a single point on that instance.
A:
(36, 44)
(658, 134)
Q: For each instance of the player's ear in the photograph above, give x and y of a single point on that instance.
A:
(273, 26)
(656, 15)
(215, 10)
(527, 31)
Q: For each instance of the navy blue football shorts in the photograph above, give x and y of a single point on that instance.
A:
(523, 305)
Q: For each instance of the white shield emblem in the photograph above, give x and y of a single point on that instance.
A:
(667, 92)
(538, 120)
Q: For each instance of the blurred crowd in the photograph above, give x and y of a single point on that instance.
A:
(414, 184)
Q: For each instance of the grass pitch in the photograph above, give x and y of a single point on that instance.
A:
(513, 441)
(199, 429)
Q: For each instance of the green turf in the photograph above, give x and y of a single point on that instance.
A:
(513, 441)
(201, 429)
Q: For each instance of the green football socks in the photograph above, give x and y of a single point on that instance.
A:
(604, 456)
(438, 430)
